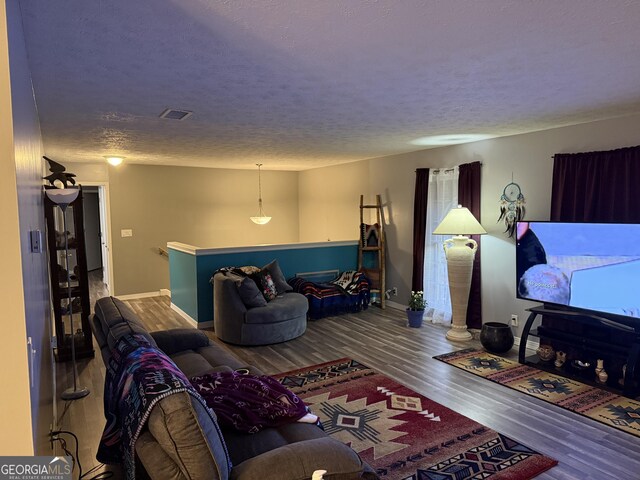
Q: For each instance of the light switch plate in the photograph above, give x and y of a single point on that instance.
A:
(36, 241)
(127, 232)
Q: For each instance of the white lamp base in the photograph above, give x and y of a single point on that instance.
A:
(459, 334)
(460, 252)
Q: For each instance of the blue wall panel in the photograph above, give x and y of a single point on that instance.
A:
(182, 281)
(292, 261)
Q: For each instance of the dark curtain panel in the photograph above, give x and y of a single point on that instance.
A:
(419, 227)
(469, 196)
(597, 187)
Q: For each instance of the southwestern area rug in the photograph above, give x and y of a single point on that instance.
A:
(404, 435)
(619, 412)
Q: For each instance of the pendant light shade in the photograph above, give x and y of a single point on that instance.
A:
(261, 218)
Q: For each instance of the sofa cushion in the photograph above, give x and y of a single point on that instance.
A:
(185, 432)
(192, 363)
(278, 277)
(216, 355)
(244, 446)
(298, 461)
(118, 319)
(282, 308)
(179, 339)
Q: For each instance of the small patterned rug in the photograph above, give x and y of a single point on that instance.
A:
(619, 412)
(404, 435)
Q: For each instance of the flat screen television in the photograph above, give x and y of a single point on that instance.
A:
(591, 267)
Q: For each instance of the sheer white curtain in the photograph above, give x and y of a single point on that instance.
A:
(443, 196)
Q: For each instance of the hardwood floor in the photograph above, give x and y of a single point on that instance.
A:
(380, 339)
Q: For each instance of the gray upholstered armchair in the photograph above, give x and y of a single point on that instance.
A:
(279, 320)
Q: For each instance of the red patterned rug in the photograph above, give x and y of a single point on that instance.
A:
(404, 435)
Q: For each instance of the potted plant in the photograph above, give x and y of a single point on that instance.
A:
(415, 311)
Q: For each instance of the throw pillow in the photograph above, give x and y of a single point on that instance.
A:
(249, 292)
(265, 283)
(278, 277)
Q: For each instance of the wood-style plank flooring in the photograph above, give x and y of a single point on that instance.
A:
(380, 338)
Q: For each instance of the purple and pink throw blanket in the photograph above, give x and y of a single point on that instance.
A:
(348, 293)
(138, 376)
(249, 403)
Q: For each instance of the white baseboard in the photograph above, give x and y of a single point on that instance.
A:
(185, 315)
(395, 305)
(531, 344)
(166, 292)
(133, 296)
(190, 319)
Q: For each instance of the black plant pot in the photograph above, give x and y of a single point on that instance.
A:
(496, 337)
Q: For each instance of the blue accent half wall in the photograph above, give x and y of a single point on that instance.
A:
(191, 268)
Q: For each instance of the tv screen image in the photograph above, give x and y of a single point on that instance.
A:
(590, 266)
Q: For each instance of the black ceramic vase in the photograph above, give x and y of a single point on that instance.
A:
(496, 337)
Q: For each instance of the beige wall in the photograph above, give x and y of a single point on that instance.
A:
(210, 205)
(329, 200)
(199, 206)
(15, 414)
(527, 156)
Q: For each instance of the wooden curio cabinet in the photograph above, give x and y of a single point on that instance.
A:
(78, 289)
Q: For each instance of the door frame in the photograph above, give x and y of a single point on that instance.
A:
(104, 201)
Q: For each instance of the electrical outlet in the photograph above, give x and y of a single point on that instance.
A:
(126, 232)
(394, 291)
(514, 320)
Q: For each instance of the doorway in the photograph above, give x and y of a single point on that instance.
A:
(97, 235)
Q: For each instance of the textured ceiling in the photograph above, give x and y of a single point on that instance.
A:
(297, 84)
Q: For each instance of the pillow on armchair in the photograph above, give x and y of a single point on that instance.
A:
(265, 283)
(249, 292)
(278, 278)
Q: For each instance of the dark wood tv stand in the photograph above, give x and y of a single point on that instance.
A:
(587, 337)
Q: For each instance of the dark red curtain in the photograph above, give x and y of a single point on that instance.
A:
(598, 187)
(469, 196)
(419, 227)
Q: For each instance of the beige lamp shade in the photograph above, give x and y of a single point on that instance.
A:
(459, 221)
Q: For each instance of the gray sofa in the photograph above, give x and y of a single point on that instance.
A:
(281, 319)
(182, 442)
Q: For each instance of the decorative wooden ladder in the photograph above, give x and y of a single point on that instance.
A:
(371, 250)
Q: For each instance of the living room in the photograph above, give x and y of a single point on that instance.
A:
(209, 207)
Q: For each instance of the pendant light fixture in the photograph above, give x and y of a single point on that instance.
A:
(261, 219)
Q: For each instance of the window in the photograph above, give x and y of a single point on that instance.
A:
(443, 196)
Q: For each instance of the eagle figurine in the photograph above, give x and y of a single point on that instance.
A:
(58, 173)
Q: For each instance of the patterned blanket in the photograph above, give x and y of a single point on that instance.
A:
(138, 376)
(249, 403)
(347, 293)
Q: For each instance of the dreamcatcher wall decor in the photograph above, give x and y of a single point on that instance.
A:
(511, 207)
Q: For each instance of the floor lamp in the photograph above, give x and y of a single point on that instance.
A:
(460, 252)
(63, 197)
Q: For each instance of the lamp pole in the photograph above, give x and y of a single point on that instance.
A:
(75, 392)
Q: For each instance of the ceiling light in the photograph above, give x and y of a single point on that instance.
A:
(261, 219)
(115, 161)
(450, 139)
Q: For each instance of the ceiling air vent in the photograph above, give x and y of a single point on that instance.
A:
(174, 114)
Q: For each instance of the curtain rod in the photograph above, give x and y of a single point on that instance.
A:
(448, 170)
